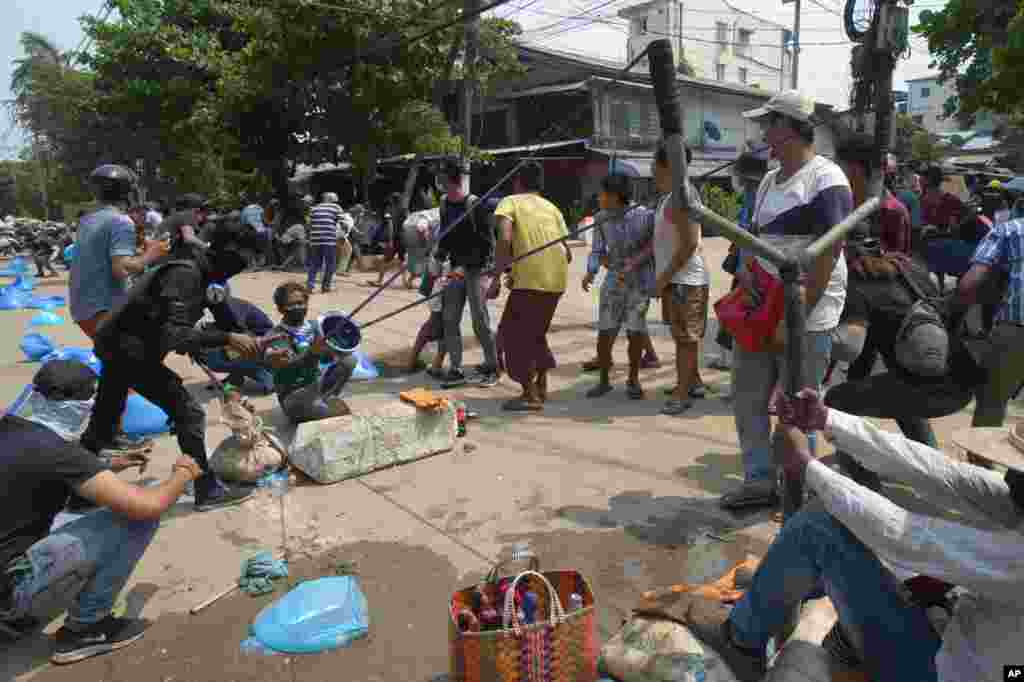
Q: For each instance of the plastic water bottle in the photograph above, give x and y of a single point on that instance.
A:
(575, 601)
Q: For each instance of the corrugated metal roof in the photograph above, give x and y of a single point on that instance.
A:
(545, 90)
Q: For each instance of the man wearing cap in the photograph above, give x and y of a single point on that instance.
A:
(183, 225)
(84, 564)
(850, 543)
(858, 157)
(797, 202)
(939, 209)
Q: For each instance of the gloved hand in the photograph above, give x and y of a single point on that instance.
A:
(792, 451)
(806, 411)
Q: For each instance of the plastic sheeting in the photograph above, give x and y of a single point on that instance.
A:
(316, 616)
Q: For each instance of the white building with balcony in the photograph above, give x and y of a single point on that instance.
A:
(721, 42)
(926, 101)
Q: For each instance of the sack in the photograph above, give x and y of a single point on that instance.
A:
(661, 650)
(752, 325)
(559, 646)
(250, 452)
(318, 615)
(36, 346)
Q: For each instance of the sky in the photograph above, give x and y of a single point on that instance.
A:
(824, 65)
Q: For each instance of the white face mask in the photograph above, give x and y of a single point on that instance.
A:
(67, 418)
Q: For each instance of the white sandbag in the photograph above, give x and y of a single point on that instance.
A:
(381, 432)
(251, 451)
(661, 650)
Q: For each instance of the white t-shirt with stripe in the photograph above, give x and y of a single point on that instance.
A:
(323, 224)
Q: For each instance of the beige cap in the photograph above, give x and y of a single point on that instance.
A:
(1000, 445)
(788, 103)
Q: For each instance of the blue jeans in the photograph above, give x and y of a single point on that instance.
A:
(85, 563)
(754, 376)
(325, 256)
(455, 298)
(814, 552)
(217, 361)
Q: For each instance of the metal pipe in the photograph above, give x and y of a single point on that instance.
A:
(790, 489)
(743, 238)
(818, 246)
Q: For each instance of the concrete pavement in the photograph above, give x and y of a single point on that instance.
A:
(607, 486)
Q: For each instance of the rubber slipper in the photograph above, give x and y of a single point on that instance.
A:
(676, 407)
(670, 390)
(520, 405)
(650, 363)
(699, 391)
(599, 390)
(591, 366)
(436, 373)
(634, 391)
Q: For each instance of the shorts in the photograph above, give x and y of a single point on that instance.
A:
(623, 307)
(685, 308)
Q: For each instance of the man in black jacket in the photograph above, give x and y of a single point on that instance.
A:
(159, 316)
(470, 248)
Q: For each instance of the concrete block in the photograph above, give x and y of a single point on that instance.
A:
(381, 432)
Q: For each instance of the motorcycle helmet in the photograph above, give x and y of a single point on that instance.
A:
(112, 182)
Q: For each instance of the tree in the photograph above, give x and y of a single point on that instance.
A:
(979, 45)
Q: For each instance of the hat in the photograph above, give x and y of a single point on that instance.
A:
(1000, 445)
(65, 380)
(789, 103)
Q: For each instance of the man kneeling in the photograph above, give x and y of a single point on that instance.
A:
(84, 563)
(837, 544)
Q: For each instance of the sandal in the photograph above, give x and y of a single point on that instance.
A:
(599, 390)
(635, 391)
(751, 494)
(675, 407)
(650, 363)
(592, 365)
(522, 405)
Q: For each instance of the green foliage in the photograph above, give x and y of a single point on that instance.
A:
(979, 44)
(722, 201)
(924, 147)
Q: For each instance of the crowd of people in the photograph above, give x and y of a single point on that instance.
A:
(866, 299)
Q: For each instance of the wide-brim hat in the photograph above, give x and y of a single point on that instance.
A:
(1000, 445)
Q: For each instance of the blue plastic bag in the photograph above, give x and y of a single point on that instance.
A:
(69, 254)
(45, 302)
(143, 418)
(24, 282)
(45, 318)
(365, 369)
(316, 616)
(12, 298)
(36, 346)
(83, 355)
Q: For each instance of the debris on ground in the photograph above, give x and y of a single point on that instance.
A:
(259, 573)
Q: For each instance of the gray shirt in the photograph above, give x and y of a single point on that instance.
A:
(102, 235)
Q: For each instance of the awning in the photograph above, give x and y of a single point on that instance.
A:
(642, 163)
(545, 90)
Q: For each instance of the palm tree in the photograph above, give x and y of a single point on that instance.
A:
(42, 59)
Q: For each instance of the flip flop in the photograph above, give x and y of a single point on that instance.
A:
(520, 405)
(599, 390)
(650, 363)
(750, 494)
(591, 366)
(634, 391)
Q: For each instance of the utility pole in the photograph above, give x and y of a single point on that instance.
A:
(796, 42)
(471, 9)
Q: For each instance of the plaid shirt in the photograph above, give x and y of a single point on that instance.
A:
(1003, 248)
(626, 235)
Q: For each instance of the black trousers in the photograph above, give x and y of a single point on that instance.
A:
(155, 382)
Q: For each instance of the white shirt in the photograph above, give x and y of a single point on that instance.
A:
(780, 213)
(666, 239)
(983, 555)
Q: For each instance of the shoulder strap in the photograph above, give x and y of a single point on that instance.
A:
(911, 284)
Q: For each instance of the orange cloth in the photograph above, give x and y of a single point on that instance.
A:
(423, 399)
(723, 590)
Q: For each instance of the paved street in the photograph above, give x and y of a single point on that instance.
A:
(607, 486)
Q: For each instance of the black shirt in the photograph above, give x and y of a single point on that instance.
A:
(172, 224)
(471, 243)
(38, 471)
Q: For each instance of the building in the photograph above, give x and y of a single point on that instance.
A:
(926, 101)
(899, 98)
(578, 115)
(720, 42)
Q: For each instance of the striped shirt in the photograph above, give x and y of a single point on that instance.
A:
(323, 224)
(1003, 249)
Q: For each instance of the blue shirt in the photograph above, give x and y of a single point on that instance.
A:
(624, 235)
(102, 235)
(1003, 248)
(252, 215)
(323, 224)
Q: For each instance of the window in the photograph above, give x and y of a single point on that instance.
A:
(743, 75)
(720, 72)
(926, 93)
(919, 119)
(641, 26)
(743, 41)
(721, 31)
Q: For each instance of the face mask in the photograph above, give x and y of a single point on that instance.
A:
(67, 418)
(293, 317)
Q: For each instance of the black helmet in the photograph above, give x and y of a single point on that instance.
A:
(233, 247)
(113, 183)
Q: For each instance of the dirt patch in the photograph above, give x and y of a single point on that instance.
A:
(406, 587)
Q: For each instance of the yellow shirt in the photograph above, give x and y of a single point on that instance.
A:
(536, 222)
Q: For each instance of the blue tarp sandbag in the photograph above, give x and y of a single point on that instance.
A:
(143, 418)
(69, 254)
(45, 302)
(365, 369)
(24, 282)
(36, 346)
(45, 318)
(316, 616)
(12, 298)
(83, 355)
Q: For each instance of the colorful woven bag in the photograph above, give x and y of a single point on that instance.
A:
(557, 647)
